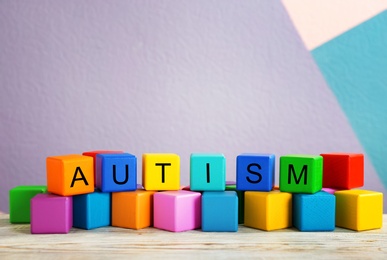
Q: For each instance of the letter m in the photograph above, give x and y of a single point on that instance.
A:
(291, 172)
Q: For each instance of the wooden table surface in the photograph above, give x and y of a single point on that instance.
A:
(16, 242)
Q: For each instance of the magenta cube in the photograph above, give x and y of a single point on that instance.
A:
(177, 211)
(51, 214)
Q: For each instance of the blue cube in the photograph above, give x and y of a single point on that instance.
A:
(314, 212)
(208, 172)
(116, 172)
(219, 211)
(91, 210)
(255, 172)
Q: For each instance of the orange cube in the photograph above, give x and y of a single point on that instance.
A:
(69, 175)
(132, 209)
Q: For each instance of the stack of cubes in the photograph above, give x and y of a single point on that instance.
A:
(316, 193)
(99, 188)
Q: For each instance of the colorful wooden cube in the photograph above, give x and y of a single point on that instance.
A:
(177, 211)
(207, 172)
(255, 172)
(70, 174)
(329, 190)
(343, 170)
(116, 172)
(132, 209)
(161, 171)
(301, 173)
(51, 214)
(91, 210)
(359, 209)
(19, 202)
(219, 211)
(241, 201)
(268, 210)
(314, 212)
(93, 154)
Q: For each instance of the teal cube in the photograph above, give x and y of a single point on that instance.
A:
(219, 211)
(92, 210)
(19, 202)
(301, 173)
(241, 201)
(208, 172)
(314, 212)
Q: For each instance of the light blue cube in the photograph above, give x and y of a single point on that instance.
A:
(91, 210)
(208, 172)
(255, 172)
(219, 211)
(116, 172)
(314, 212)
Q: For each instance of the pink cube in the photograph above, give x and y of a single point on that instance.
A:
(329, 190)
(177, 211)
(51, 214)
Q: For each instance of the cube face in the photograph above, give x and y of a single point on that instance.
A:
(268, 210)
(91, 210)
(301, 173)
(207, 172)
(241, 201)
(314, 212)
(51, 214)
(177, 211)
(116, 172)
(70, 174)
(132, 209)
(161, 171)
(255, 172)
(343, 170)
(219, 211)
(359, 209)
(93, 154)
(19, 202)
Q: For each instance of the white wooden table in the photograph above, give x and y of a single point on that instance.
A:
(16, 242)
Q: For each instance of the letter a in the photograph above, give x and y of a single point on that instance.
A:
(78, 169)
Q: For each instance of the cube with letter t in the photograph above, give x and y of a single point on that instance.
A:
(161, 171)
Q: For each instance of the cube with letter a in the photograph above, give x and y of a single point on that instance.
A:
(161, 171)
(70, 174)
(301, 173)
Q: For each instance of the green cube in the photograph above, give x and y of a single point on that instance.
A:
(19, 202)
(301, 173)
(241, 202)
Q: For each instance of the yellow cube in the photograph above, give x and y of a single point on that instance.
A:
(268, 210)
(359, 209)
(69, 175)
(160, 171)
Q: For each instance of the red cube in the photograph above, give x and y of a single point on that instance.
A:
(343, 170)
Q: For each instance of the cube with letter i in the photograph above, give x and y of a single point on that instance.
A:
(207, 172)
